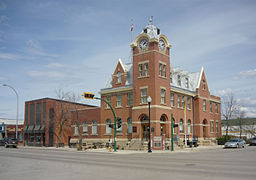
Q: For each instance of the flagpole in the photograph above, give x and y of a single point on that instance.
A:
(131, 30)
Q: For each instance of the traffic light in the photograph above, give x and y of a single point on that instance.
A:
(88, 95)
(119, 123)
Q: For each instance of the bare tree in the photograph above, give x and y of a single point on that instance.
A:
(229, 107)
(75, 98)
(241, 121)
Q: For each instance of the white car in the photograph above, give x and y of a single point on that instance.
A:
(235, 143)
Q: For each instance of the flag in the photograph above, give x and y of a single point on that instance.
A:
(132, 27)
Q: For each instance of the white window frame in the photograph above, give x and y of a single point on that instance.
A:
(108, 129)
(181, 124)
(178, 101)
(146, 69)
(216, 126)
(172, 99)
(188, 102)
(119, 100)
(119, 77)
(189, 126)
(140, 70)
(163, 96)
(187, 82)
(129, 125)
(130, 99)
(212, 126)
(108, 99)
(85, 127)
(94, 127)
(179, 80)
(164, 70)
(143, 95)
(160, 69)
(204, 105)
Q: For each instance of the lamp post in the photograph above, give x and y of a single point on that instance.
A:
(149, 143)
(17, 107)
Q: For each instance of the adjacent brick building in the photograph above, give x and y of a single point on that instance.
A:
(43, 119)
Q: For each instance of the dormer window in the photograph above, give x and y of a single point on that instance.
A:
(119, 77)
(187, 83)
(171, 77)
(179, 81)
(145, 30)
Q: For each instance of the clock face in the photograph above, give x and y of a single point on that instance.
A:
(161, 44)
(143, 44)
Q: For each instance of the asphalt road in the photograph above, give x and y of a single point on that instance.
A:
(37, 164)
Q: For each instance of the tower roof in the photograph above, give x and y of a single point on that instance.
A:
(151, 30)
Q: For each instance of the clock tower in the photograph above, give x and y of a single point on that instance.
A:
(151, 77)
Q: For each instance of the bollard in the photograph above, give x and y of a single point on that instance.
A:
(109, 149)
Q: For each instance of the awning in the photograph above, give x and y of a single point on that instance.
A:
(42, 129)
(37, 128)
(30, 128)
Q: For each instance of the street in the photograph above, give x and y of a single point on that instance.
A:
(39, 164)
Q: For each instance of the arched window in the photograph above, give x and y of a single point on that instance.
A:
(108, 129)
(85, 127)
(129, 122)
(94, 127)
(189, 126)
(118, 77)
(181, 126)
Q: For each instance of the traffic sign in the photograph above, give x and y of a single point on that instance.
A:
(88, 95)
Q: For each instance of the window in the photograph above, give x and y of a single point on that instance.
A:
(182, 102)
(171, 77)
(187, 83)
(164, 70)
(163, 96)
(204, 105)
(130, 99)
(146, 69)
(212, 127)
(94, 127)
(38, 113)
(160, 69)
(38, 139)
(189, 102)
(210, 106)
(179, 81)
(216, 125)
(181, 126)
(140, 70)
(204, 86)
(178, 102)
(119, 100)
(76, 129)
(172, 99)
(119, 121)
(108, 129)
(85, 127)
(109, 101)
(189, 126)
(119, 77)
(129, 122)
(216, 108)
(143, 93)
(32, 114)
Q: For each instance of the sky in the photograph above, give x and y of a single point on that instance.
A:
(74, 45)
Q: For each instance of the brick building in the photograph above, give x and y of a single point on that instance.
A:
(45, 118)
(151, 74)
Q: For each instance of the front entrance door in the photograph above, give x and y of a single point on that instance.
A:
(145, 132)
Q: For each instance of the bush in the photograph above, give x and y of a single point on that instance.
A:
(222, 140)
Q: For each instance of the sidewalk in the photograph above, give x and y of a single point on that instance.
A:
(105, 150)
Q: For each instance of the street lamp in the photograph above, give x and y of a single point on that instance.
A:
(17, 107)
(149, 143)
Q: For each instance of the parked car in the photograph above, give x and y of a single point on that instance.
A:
(9, 142)
(235, 143)
(253, 141)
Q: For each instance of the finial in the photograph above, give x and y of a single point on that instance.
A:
(151, 20)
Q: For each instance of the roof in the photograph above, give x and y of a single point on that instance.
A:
(46, 98)
(10, 121)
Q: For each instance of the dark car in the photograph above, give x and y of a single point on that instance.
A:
(253, 141)
(9, 142)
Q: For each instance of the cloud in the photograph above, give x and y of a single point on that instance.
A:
(251, 73)
(2, 78)
(55, 65)
(49, 74)
(35, 48)
(9, 56)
